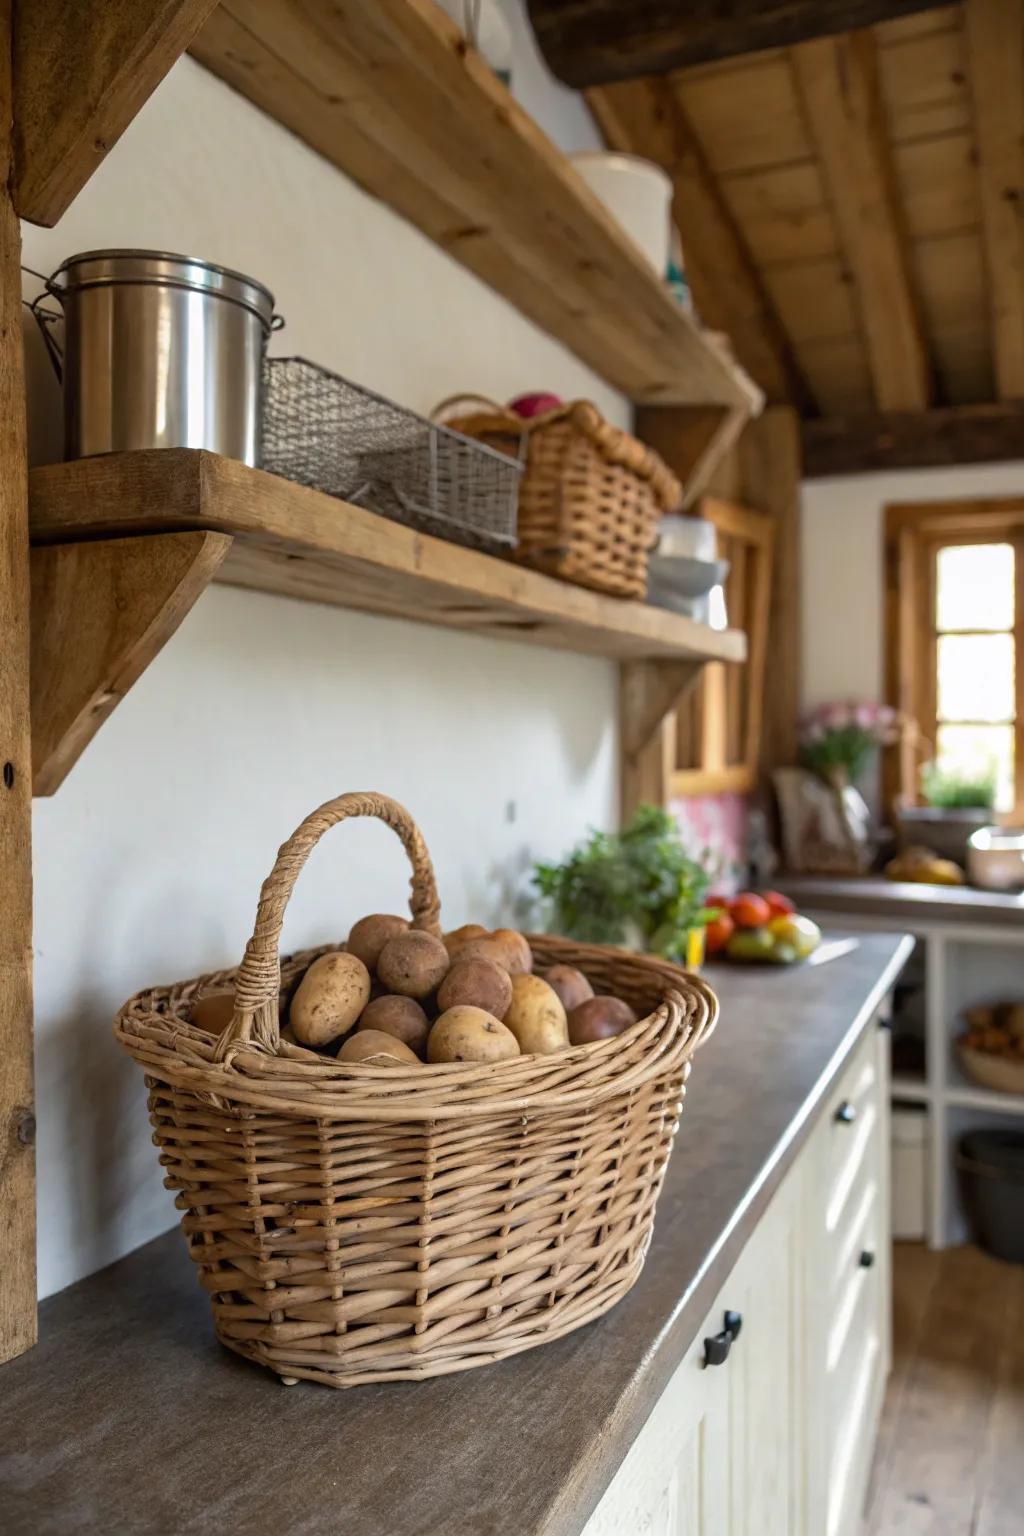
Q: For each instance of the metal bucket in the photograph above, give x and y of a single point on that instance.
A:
(160, 351)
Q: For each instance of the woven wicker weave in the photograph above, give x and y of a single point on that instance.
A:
(591, 496)
(361, 1223)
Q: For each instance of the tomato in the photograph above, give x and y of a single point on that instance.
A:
(748, 910)
(779, 905)
(718, 933)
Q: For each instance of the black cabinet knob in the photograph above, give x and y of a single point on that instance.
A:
(867, 1258)
(716, 1349)
(846, 1114)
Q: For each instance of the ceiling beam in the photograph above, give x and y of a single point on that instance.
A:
(645, 117)
(995, 45)
(81, 73)
(965, 434)
(838, 81)
(596, 42)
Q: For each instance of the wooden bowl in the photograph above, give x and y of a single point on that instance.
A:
(1003, 1073)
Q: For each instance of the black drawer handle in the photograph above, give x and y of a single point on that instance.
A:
(716, 1349)
(846, 1114)
(867, 1258)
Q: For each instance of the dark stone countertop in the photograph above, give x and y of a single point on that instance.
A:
(903, 901)
(128, 1418)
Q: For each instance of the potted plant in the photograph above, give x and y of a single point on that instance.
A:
(826, 823)
(957, 802)
(637, 888)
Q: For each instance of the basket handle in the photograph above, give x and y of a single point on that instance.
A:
(450, 401)
(257, 985)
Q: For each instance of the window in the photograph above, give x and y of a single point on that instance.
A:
(955, 578)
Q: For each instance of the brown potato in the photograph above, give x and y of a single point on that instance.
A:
(519, 956)
(373, 1048)
(470, 1034)
(330, 998)
(400, 1017)
(370, 934)
(476, 982)
(212, 1011)
(599, 1018)
(454, 940)
(570, 984)
(536, 1017)
(413, 964)
(485, 947)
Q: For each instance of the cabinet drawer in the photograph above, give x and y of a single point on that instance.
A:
(855, 1367)
(852, 1127)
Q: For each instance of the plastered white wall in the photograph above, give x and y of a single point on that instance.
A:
(149, 858)
(841, 568)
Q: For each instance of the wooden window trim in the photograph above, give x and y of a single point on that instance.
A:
(914, 531)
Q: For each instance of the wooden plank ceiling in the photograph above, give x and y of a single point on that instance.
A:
(852, 208)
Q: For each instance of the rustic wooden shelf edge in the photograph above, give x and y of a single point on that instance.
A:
(298, 542)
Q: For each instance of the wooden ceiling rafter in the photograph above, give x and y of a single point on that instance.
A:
(647, 117)
(838, 81)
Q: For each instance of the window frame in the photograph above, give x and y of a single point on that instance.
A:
(914, 532)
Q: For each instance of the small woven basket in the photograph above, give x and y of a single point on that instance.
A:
(591, 496)
(370, 1223)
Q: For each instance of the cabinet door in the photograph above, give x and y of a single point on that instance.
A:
(675, 1478)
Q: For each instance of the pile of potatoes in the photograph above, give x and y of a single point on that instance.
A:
(396, 995)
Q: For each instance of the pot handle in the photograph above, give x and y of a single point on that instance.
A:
(45, 318)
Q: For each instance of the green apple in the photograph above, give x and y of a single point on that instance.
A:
(750, 944)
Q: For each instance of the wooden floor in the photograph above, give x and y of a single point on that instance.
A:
(950, 1459)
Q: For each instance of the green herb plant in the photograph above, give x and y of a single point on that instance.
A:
(637, 886)
(950, 789)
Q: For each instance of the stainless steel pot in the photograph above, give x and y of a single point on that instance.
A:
(160, 351)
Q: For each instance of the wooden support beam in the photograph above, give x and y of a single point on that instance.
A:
(17, 1124)
(646, 117)
(995, 43)
(595, 42)
(839, 83)
(100, 613)
(649, 692)
(966, 434)
(81, 73)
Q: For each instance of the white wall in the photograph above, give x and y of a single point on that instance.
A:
(149, 858)
(841, 568)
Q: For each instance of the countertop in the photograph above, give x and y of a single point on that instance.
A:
(903, 901)
(127, 1417)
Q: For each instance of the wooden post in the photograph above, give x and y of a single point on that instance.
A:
(17, 1123)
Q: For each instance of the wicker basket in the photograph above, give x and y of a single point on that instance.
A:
(591, 496)
(1004, 1074)
(361, 1223)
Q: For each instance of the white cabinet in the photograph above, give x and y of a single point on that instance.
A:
(776, 1439)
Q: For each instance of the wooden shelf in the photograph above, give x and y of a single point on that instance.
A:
(390, 94)
(301, 543)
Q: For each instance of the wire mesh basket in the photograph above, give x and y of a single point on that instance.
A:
(324, 431)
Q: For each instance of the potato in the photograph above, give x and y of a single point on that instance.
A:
(330, 998)
(470, 1034)
(413, 964)
(486, 947)
(570, 984)
(519, 956)
(476, 982)
(212, 1011)
(370, 934)
(454, 940)
(400, 1017)
(536, 1017)
(373, 1048)
(599, 1018)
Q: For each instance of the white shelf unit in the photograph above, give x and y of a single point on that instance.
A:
(964, 964)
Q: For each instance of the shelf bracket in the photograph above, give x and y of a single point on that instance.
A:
(100, 613)
(649, 692)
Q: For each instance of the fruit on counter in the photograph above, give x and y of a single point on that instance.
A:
(571, 986)
(778, 904)
(413, 963)
(922, 867)
(536, 1017)
(330, 998)
(748, 910)
(478, 982)
(750, 944)
(370, 934)
(470, 1034)
(599, 1018)
(534, 403)
(401, 1017)
(784, 954)
(795, 932)
(718, 932)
